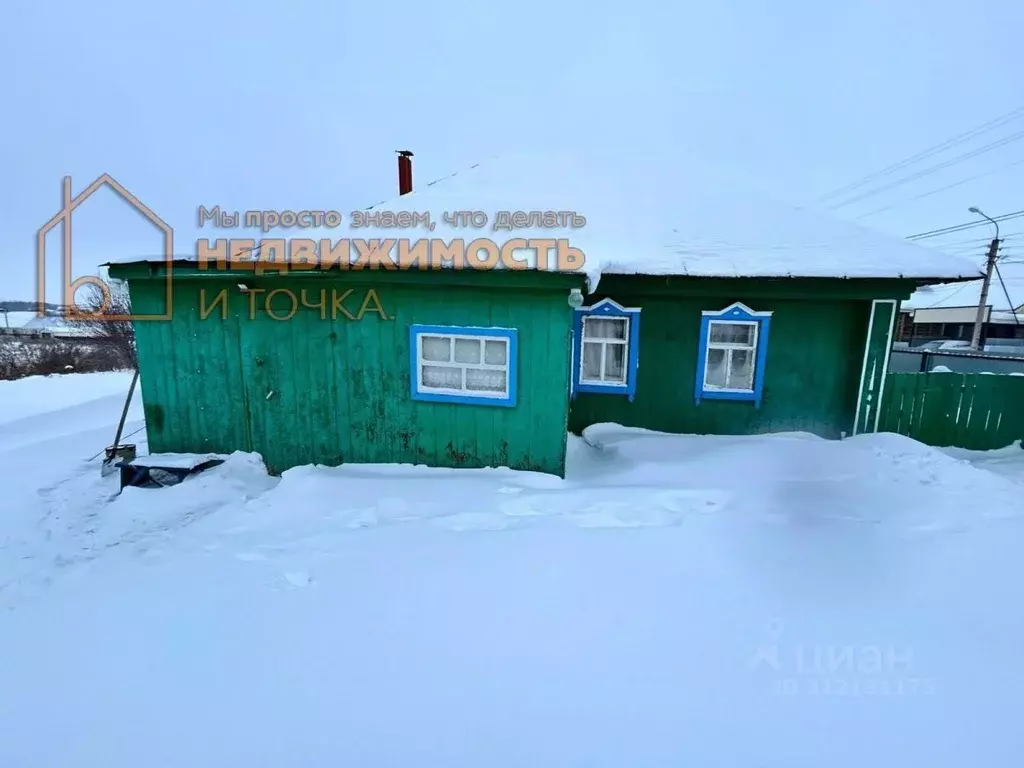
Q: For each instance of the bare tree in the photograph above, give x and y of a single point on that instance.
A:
(95, 316)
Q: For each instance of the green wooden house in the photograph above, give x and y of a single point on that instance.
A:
(698, 309)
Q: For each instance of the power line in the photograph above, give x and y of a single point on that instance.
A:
(940, 189)
(1006, 293)
(949, 296)
(961, 227)
(979, 241)
(928, 171)
(983, 128)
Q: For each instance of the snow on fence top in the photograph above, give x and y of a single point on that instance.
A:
(654, 215)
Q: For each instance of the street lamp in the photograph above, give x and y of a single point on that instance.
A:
(990, 265)
(978, 211)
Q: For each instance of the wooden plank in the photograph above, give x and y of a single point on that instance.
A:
(961, 433)
(895, 396)
(973, 410)
(1009, 409)
(905, 390)
(933, 410)
(1015, 408)
(949, 387)
(891, 403)
(981, 434)
(920, 396)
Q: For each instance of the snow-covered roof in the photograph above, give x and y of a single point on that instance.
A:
(968, 294)
(16, 319)
(54, 324)
(670, 215)
(662, 214)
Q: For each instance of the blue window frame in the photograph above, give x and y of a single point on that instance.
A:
(460, 364)
(606, 349)
(732, 353)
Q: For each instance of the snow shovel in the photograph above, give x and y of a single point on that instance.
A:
(117, 452)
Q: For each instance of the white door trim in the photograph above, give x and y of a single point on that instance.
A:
(864, 367)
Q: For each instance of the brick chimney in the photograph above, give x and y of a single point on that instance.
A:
(404, 172)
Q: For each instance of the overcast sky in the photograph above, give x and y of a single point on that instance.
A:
(300, 105)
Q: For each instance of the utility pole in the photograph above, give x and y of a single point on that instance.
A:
(990, 265)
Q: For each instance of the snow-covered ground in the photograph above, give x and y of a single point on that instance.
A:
(677, 600)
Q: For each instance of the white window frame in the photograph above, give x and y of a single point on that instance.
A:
(604, 342)
(709, 345)
(463, 392)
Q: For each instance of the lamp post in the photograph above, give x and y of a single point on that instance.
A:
(993, 251)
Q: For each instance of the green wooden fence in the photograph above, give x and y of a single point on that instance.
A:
(979, 411)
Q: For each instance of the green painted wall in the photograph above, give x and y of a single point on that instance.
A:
(341, 389)
(813, 367)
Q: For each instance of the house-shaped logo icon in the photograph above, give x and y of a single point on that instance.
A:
(70, 287)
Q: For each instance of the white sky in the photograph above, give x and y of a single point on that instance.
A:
(257, 105)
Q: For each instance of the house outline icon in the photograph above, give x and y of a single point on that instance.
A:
(69, 204)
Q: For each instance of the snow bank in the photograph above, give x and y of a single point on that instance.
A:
(671, 592)
(33, 395)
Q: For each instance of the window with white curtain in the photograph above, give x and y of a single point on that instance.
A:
(464, 365)
(605, 350)
(731, 356)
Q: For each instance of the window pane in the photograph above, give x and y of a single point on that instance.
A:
(591, 361)
(604, 327)
(467, 351)
(714, 374)
(741, 374)
(436, 349)
(495, 352)
(615, 363)
(732, 333)
(441, 377)
(482, 380)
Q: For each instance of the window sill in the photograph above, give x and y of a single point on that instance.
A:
(443, 397)
(604, 389)
(720, 394)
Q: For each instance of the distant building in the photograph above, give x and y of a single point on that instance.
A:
(948, 312)
(53, 325)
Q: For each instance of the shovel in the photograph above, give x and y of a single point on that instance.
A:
(117, 452)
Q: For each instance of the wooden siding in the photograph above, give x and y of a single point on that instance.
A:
(328, 390)
(813, 368)
(979, 411)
